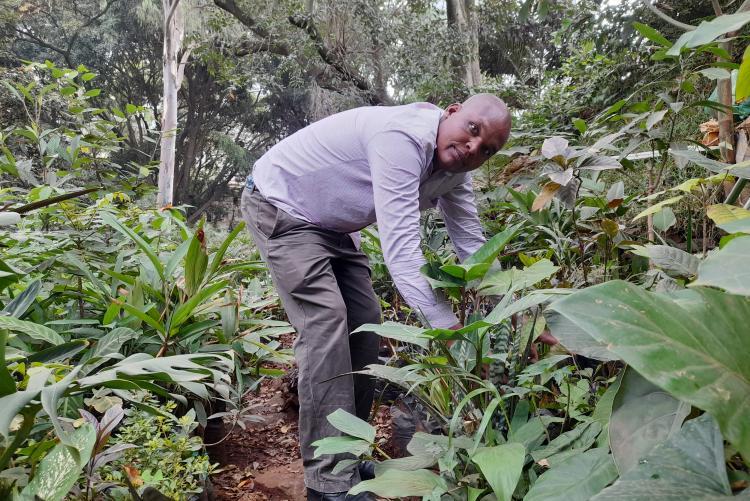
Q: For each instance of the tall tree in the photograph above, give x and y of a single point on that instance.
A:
(174, 60)
(462, 19)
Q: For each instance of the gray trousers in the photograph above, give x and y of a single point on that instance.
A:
(325, 287)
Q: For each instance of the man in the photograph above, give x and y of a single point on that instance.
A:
(306, 201)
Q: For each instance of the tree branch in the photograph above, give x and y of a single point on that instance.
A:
(345, 72)
(672, 21)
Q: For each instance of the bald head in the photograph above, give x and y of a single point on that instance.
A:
(491, 107)
(471, 132)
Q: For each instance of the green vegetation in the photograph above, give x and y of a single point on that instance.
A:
(613, 226)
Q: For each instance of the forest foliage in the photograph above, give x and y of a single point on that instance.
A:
(615, 225)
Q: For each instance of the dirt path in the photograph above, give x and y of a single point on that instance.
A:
(262, 462)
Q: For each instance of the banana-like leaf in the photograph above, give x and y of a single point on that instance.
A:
(689, 466)
(60, 469)
(351, 425)
(575, 339)
(399, 332)
(643, 416)
(112, 221)
(59, 352)
(341, 445)
(730, 218)
(578, 439)
(113, 341)
(31, 329)
(492, 247)
(399, 484)
(218, 256)
(670, 259)
(18, 306)
(727, 268)
(578, 478)
(187, 309)
(501, 466)
(696, 350)
(504, 280)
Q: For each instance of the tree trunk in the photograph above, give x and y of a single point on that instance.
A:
(462, 18)
(174, 32)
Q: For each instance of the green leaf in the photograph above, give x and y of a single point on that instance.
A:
(603, 410)
(34, 331)
(643, 416)
(672, 260)
(59, 470)
(400, 484)
(340, 445)
(218, 256)
(7, 383)
(742, 87)
(715, 73)
(652, 34)
(664, 219)
(727, 268)
(58, 353)
(18, 306)
(113, 341)
(580, 125)
(707, 31)
(492, 247)
(351, 425)
(730, 218)
(110, 220)
(68, 90)
(503, 281)
(575, 339)
(466, 272)
(399, 332)
(185, 310)
(578, 478)
(131, 108)
(689, 466)
(579, 438)
(501, 466)
(657, 207)
(92, 93)
(694, 348)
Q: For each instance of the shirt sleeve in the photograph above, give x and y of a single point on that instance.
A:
(461, 218)
(396, 162)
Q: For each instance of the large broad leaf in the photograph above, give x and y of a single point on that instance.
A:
(697, 350)
(603, 410)
(399, 332)
(576, 340)
(578, 478)
(504, 280)
(492, 247)
(670, 259)
(578, 439)
(340, 445)
(501, 466)
(555, 148)
(466, 272)
(730, 218)
(707, 31)
(689, 466)
(351, 425)
(400, 484)
(643, 416)
(34, 331)
(727, 268)
(60, 469)
(18, 306)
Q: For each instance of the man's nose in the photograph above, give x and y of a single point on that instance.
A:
(473, 145)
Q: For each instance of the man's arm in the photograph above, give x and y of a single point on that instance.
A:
(461, 218)
(396, 162)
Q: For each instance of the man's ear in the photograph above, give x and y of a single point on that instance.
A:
(452, 108)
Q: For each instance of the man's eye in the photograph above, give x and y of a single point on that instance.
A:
(473, 127)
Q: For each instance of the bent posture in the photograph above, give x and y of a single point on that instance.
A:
(307, 199)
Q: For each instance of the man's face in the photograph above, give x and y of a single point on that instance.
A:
(468, 136)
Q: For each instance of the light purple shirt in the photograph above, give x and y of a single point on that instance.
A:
(374, 164)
